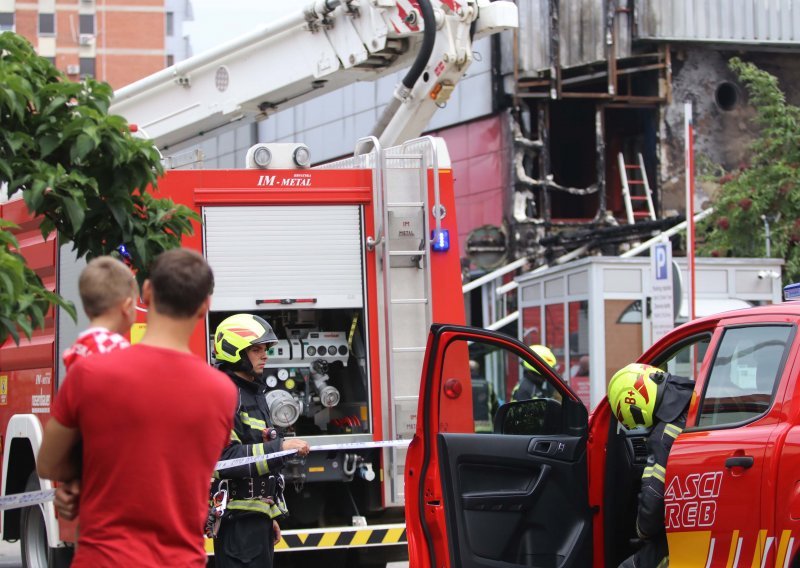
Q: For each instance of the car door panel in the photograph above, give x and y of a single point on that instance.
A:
(509, 504)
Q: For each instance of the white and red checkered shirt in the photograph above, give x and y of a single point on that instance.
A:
(93, 340)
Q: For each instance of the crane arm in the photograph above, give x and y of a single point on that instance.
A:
(320, 48)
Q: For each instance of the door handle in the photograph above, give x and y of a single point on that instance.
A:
(745, 462)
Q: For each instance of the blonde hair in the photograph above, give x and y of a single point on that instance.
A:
(104, 283)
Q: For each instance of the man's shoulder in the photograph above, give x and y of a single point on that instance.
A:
(218, 381)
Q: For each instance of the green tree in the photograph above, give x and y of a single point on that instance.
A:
(81, 171)
(767, 186)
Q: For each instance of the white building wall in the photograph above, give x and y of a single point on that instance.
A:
(178, 44)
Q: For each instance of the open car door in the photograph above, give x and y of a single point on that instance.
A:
(514, 496)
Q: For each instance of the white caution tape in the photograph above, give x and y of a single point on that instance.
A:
(236, 462)
(19, 500)
(228, 464)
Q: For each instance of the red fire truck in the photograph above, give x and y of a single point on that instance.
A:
(557, 486)
(351, 264)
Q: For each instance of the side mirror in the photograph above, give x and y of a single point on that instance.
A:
(536, 416)
(541, 416)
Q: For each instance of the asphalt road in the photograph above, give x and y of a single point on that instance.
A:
(10, 557)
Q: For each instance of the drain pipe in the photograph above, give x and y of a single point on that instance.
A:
(403, 91)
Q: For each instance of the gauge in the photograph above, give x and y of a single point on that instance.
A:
(342, 350)
(283, 374)
(331, 350)
(311, 351)
(290, 384)
(272, 381)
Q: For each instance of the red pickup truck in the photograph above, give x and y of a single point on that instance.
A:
(554, 485)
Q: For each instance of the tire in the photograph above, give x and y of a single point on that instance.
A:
(33, 537)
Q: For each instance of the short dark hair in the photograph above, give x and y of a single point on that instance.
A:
(181, 280)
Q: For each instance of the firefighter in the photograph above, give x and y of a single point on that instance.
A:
(532, 384)
(642, 396)
(251, 496)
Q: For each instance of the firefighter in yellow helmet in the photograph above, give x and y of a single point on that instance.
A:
(532, 384)
(250, 495)
(642, 396)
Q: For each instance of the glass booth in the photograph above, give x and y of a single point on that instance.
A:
(595, 313)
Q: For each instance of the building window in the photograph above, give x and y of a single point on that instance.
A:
(47, 24)
(86, 24)
(170, 24)
(87, 67)
(51, 59)
(170, 60)
(6, 21)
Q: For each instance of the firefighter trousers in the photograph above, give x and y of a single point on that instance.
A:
(244, 541)
(653, 554)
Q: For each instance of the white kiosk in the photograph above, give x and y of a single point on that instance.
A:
(595, 313)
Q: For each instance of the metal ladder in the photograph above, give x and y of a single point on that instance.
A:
(408, 310)
(641, 198)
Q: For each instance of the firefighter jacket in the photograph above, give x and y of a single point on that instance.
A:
(670, 414)
(253, 486)
(530, 385)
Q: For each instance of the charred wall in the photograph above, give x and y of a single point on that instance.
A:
(723, 124)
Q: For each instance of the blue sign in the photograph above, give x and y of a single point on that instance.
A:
(661, 262)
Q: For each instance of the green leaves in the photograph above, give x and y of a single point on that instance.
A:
(81, 171)
(767, 188)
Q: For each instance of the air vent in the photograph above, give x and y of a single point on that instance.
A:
(639, 446)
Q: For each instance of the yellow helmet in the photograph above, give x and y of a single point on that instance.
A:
(633, 394)
(237, 333)
(544, 354)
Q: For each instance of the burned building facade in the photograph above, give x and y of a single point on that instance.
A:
(597, 89)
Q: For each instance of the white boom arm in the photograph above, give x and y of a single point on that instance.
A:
(325, 46)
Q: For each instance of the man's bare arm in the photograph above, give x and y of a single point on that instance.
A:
(56, 459)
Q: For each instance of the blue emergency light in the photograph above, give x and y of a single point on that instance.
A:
(791, 292)
(123, 252)
(440, 240)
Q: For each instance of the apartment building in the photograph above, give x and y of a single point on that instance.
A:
(117, 41)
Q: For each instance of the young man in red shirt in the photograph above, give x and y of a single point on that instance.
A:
(153, 420)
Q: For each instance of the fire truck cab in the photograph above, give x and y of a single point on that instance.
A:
(554, 485)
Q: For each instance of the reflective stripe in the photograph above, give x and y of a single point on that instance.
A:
(255, 506)
(254, 423)
(655, 471)
(672, 430)
(235, 437)
(261, 466)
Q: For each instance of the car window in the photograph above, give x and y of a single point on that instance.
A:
(687, 359)
(745, 371)
(495, 374)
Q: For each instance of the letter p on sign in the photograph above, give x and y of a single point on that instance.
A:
(662, 268)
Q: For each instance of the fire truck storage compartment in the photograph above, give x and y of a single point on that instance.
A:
(300, 267)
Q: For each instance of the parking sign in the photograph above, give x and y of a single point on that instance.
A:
(663, 317)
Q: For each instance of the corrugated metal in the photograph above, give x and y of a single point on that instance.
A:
(718, 21)
(39, 253)
(582, 32)
(281, 252)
